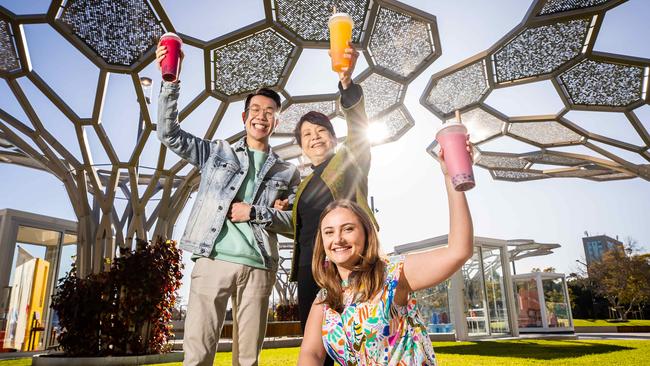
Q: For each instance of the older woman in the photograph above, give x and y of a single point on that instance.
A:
(341, 174)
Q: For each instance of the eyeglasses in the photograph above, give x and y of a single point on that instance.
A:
(269, 114)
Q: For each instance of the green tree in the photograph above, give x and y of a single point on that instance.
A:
(623, 278)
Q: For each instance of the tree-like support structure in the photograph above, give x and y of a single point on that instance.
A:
(398, 42)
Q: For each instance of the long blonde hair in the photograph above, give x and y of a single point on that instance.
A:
(367, 276)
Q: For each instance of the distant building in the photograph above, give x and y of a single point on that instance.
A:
(596, 246)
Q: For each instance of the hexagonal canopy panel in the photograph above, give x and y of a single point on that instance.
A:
(458, 89)
(523, 167)
(380, 93)
(390, 126)
(500, 161)
(552, 158)
(9, 60)
(292, 113)
(308, 18)
(288, 151)
(540, 50)
(119, 32)
(595, 83)
(400, 42)
(560, 6)
(482, 125)
(256, 61)
(547, 133)
(555, 40)
(517, 176)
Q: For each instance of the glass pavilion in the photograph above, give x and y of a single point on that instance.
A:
(542, 303)
(483, 299)
(36, 252)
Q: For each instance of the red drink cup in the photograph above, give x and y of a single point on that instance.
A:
(169, 64)
(452, 137)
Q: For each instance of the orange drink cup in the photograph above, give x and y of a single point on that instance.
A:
(340, 25)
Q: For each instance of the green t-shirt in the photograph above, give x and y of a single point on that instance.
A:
(236, 242)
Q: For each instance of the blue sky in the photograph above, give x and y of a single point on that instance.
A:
(406, 182)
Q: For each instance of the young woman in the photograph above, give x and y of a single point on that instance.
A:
(364, 314)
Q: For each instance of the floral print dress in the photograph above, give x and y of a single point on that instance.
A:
(377, 332)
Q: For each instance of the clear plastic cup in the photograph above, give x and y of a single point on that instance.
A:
(340, 25)
(452, 137)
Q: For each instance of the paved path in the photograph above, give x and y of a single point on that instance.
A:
(604, 336)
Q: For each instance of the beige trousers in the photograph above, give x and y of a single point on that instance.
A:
(213, 283)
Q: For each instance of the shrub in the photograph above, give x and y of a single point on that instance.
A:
(124, 311)
(286, 312)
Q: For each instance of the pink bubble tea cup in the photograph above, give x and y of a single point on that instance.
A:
(452, 137)
(169, 64)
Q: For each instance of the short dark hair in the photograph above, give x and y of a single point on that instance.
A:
(316, 118)
(265, 92)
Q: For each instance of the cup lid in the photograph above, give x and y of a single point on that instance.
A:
(341, 15)
(171, 35)
(451, 123)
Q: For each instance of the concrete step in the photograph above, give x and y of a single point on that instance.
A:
(225, 345)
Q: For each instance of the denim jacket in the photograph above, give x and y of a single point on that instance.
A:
(223, 168)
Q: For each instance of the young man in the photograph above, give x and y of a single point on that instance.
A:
(232, 225)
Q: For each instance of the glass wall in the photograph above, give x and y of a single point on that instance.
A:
(433, 304)
(557, 306)
(494, 285)
(474, 294)
(529, 312)
(542, 302)
(486, 305)
(67, 258)
(37, 265)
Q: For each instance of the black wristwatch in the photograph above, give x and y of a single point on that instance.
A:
(252, 214)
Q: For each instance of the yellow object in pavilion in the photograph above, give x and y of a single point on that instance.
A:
(36, 304)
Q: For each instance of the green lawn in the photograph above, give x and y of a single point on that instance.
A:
(602, 322)
(18, 362)
(489, 353)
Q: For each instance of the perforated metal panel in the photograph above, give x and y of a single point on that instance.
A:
(9, 60)
(458, 89)
(545, 133)
(549, 45)
(399, 42)
(540, 50)
(560, 6)
(291, 115)
(392, 125)
(120, 32)
(482, 125)
(309, 18)
(380, 93)
(252, 62)
(603, 84)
